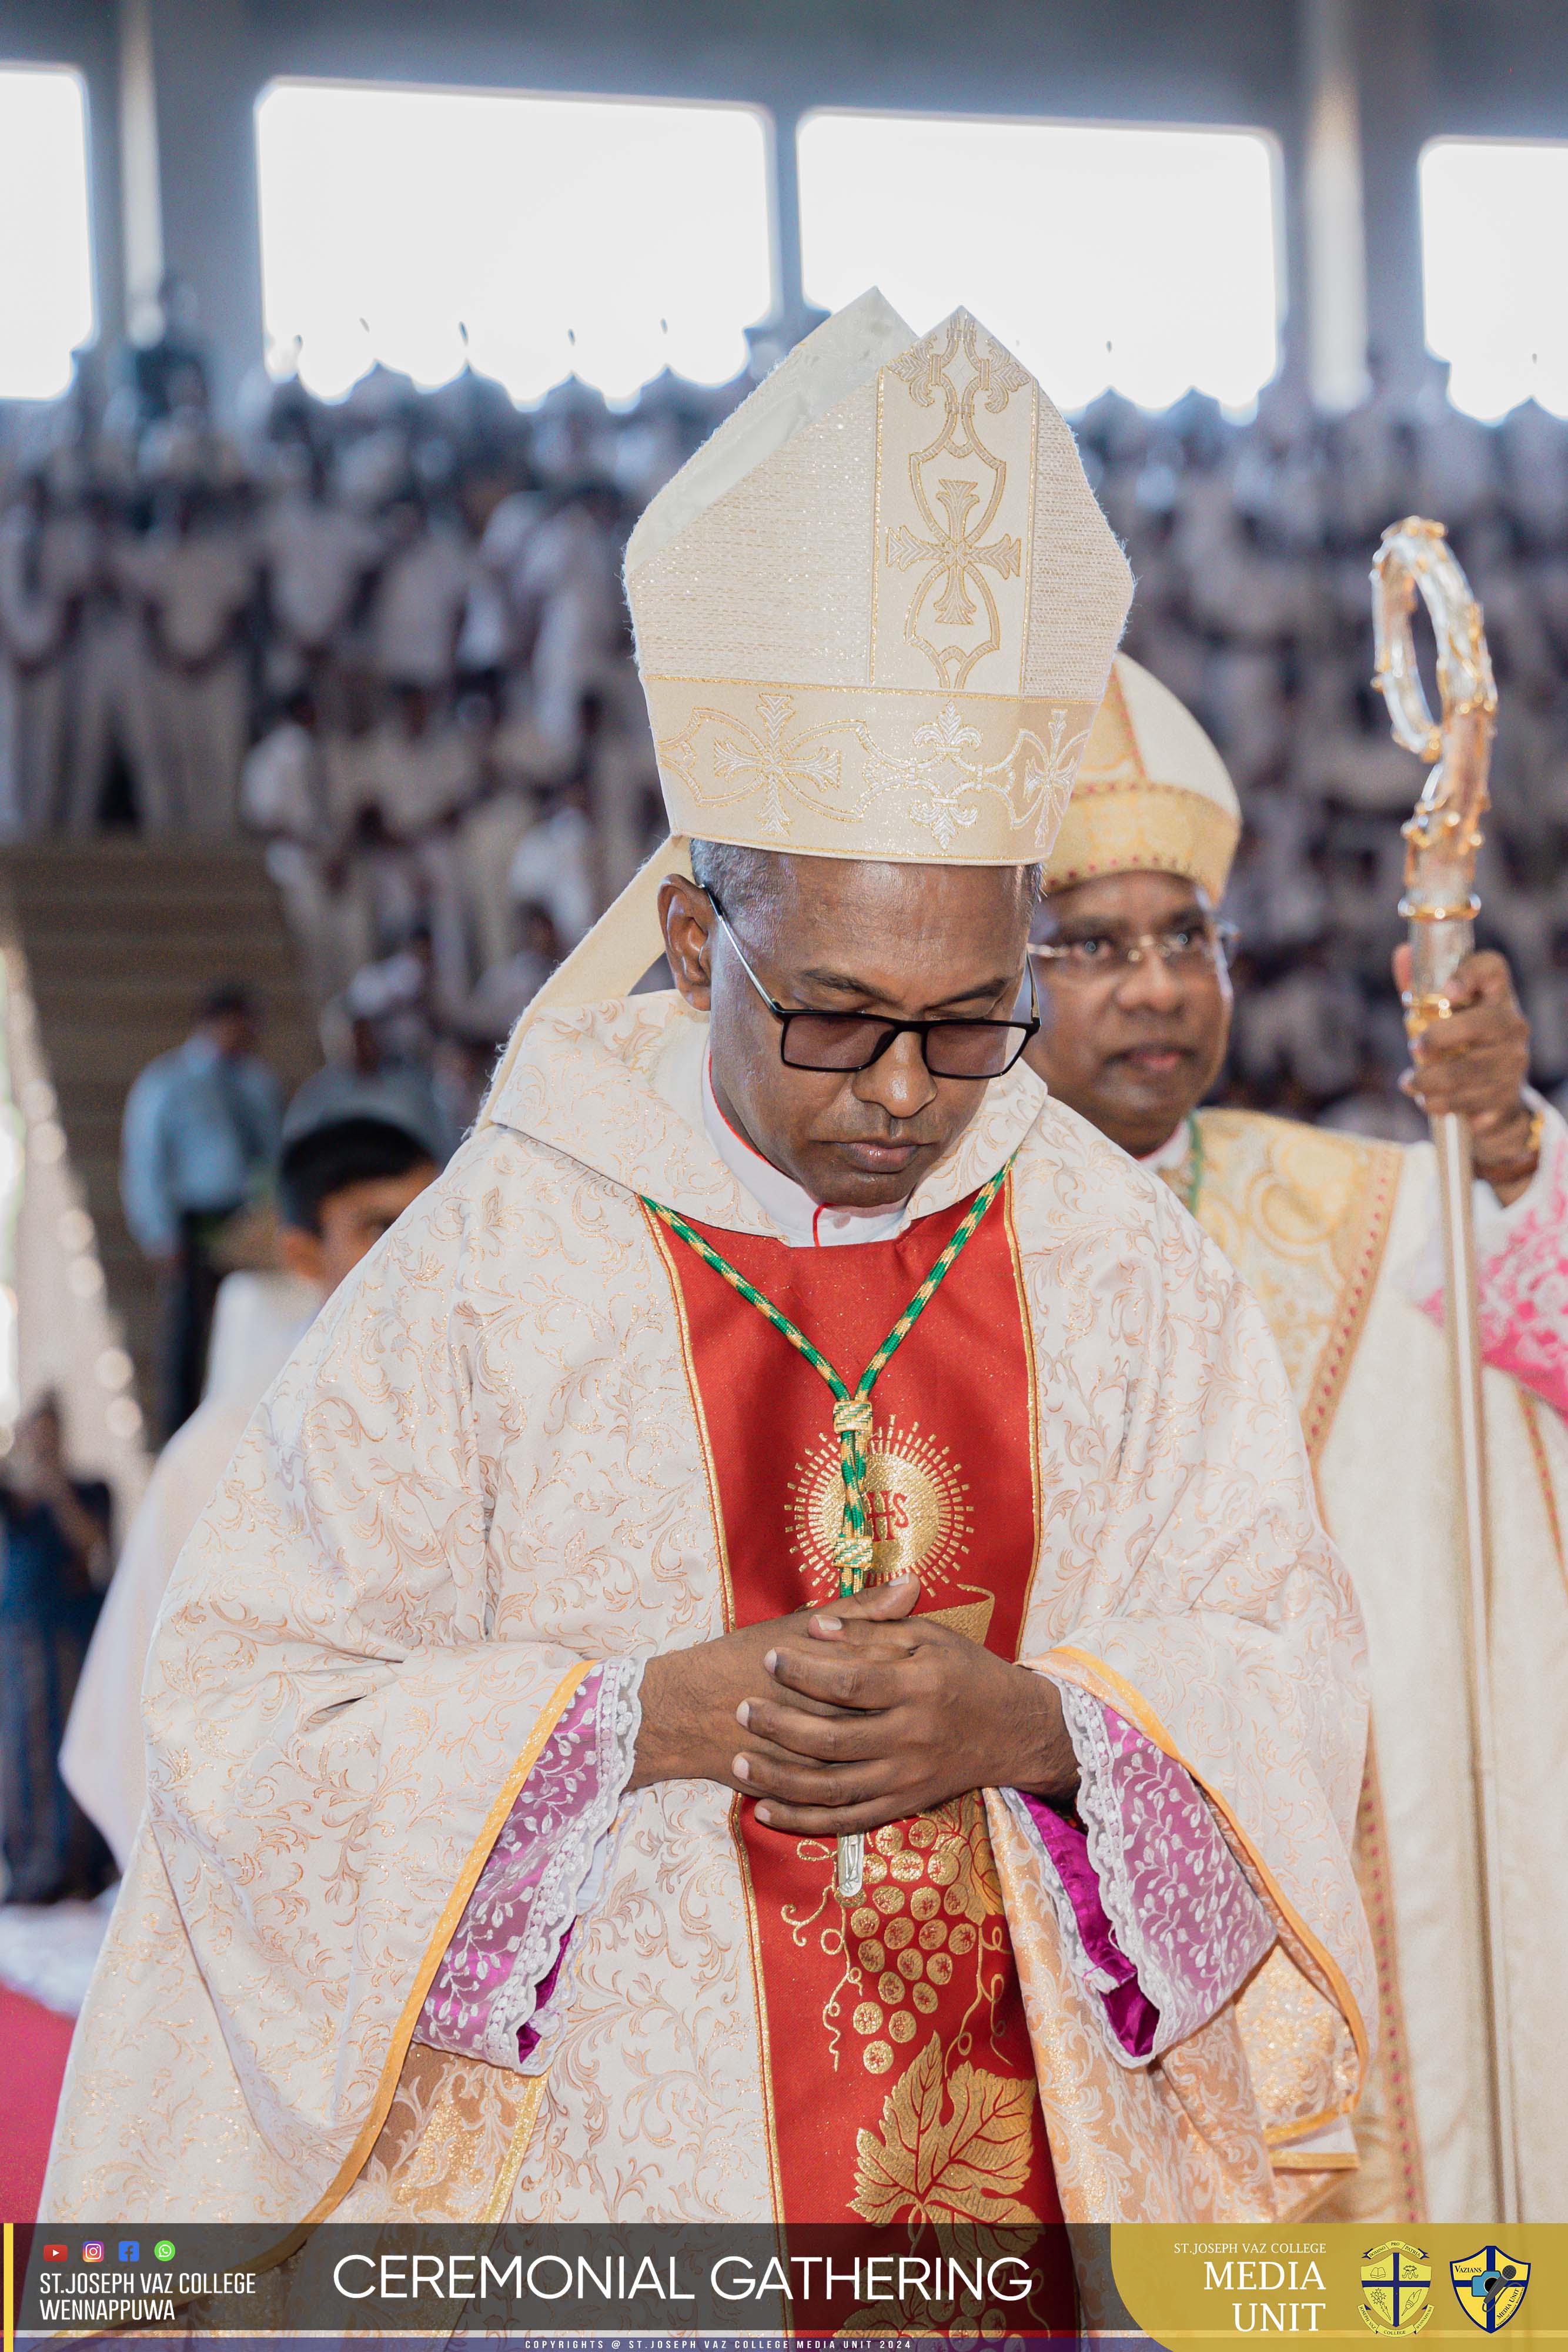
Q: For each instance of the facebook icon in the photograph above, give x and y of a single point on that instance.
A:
(131, 2250)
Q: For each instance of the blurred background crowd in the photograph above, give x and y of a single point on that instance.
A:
(387, 636)
(321, 739)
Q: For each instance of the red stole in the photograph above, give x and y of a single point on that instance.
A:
(900, 2080)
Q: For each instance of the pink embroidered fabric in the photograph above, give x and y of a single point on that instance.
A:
(1158, 1917)
(505, 1960)
(1522, 1266)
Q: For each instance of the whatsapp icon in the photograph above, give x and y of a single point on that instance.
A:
(163, 2252)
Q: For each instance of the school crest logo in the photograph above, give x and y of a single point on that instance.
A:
(1491, 2286)
(1396, 2289)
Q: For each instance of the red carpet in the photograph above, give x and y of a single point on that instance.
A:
(34, 2044)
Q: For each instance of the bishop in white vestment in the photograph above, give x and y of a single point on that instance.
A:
(771, 1656)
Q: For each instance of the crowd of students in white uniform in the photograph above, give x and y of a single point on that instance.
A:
(387, 636)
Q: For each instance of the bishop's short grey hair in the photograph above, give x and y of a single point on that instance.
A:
(743, 878)
(739, 879)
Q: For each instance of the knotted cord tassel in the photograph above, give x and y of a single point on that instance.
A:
(853, 1550)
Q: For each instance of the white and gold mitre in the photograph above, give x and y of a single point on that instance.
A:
(876, 612)
(1152, 794)
(876, 615)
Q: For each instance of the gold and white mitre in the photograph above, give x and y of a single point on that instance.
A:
(874, 615)
(1153, 796)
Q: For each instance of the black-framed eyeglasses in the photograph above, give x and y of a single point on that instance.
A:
(854, 1041)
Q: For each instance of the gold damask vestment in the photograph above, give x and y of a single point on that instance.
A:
(1323, 1227)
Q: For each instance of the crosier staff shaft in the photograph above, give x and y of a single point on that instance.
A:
(1440, 906)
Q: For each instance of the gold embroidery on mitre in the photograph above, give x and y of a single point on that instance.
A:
(876, 615)
(918, 1503)
(957, 527)
(1144, 828)
(908, 778)
(722, 761)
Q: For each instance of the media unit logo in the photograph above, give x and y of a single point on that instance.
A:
(1491, 2286)
(1396, 2289)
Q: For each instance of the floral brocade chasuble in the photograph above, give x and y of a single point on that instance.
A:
(900, 2084)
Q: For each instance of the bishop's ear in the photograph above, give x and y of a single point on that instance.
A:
(686, 918)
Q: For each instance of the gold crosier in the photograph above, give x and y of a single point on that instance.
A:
(1440, 906)
(852, 1419)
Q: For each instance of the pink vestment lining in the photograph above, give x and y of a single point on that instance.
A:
(505, 1963)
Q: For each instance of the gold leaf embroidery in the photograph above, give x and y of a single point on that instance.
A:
(972, 2165)
(962, 1863)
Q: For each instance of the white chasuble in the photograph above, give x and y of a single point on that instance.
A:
(481, 1481)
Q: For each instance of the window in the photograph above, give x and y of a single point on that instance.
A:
(606, 237)
(46, 248)
(1494, 242)
(1141, 258)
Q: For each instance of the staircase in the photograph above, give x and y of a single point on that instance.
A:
(121, 942)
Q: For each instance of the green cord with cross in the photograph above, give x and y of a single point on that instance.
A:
(852, 1417)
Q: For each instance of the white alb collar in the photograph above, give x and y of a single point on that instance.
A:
(1171, 1153)
(805, 1224)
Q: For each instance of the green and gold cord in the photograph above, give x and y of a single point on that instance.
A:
(851, 1413)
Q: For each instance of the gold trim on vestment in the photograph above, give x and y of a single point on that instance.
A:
(1407, 2201)
(1376, 1213)
(555, 1706)
(1119, 1694)
(1024, 1324)
(1303, 1215)
(1529, 1406)
(507, 2178)
(1144, 828)
(715, 1513)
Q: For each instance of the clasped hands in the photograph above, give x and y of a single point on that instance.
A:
(844, 1718)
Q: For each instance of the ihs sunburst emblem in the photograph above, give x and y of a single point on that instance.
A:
(917, 1498)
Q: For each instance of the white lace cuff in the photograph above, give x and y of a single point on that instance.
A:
(1179, 1907)
(499, 1993)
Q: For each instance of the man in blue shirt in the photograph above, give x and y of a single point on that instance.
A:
(201, 1133)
